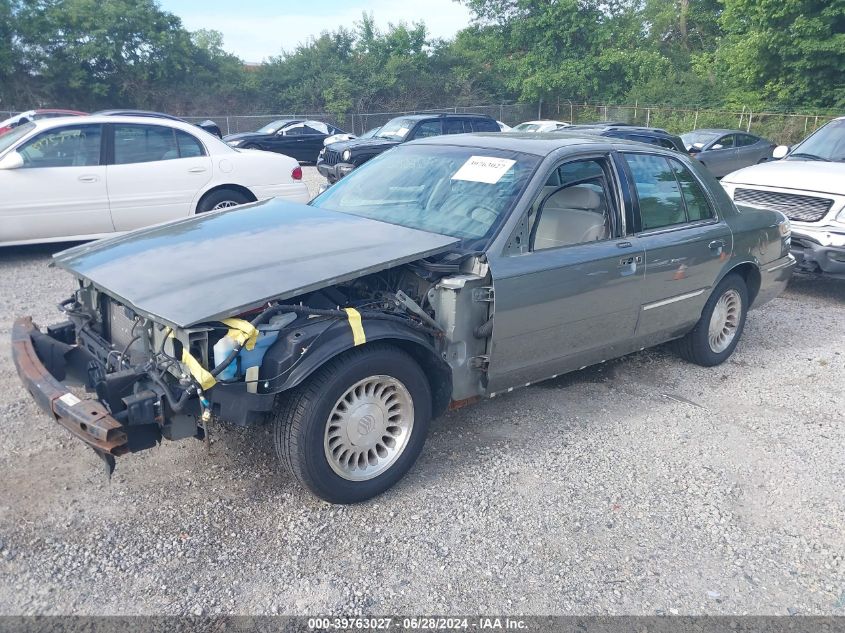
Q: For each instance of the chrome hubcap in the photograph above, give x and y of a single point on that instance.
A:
(368, 428)
(725, 321)
(225, 204)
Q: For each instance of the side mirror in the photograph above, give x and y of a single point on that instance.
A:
(12, 160)
(780, 152)
(718, 146)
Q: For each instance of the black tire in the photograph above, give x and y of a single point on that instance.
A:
(695, 347)
(301, 418)
(226, 197)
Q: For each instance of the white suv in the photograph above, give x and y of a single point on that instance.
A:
(808, 185)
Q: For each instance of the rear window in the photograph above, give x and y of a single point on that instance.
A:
(484, 125)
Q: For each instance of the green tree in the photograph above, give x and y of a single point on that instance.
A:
(783, 51)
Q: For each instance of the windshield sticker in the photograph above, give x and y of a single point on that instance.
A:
(487, 169)
(402, 131)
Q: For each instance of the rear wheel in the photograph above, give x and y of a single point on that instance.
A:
(222, 199)
(356, 426)
(717, 333)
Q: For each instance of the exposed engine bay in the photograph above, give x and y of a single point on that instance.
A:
(162, 381)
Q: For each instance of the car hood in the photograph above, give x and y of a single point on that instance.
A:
(223, 263)
(803, 175)
(243, 136)
(361, 143)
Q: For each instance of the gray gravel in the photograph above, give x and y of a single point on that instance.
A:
(642, 486)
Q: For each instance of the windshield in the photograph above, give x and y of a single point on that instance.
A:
(698, 139)
(395, 129)
(461, 192)
(370, 133)
(826, 143)
(275, 126)
(10, 138)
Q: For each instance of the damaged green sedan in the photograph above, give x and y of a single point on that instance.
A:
(443, 271)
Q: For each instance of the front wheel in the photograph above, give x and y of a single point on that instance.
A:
(356, 426)
(717, 333)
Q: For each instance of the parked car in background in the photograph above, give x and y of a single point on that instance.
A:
(504, 127)
(539, 126)
(341, 158)
(209, 126)
(34, 115)
(649, 135)
(443, 271)
(300, 138)
(86, 177)
(345, 136)
(808, 186)
(724, 151)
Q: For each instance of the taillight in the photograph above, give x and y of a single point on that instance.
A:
(296, 174)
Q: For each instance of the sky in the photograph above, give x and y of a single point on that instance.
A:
(256, 29)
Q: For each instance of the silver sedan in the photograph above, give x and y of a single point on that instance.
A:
(724, 151)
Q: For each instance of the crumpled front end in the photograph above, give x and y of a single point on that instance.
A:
(155, 381)
(820, 249)
(150, 380)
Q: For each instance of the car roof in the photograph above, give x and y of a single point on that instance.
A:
(636, 129)
(45, 124)
(56, 110)
(540, 122)
(537, 143)
(719, 130)
(144, 113)
(445, 115)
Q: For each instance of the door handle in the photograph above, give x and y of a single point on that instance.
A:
(196, 170)
(716, 245)
(633, 259)
(88, 178)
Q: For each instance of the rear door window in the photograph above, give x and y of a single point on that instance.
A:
(667, 191)
(744, 140)
(698, 206)
(456, 126)
(661, 201)
(189, 147)
(484, 125)
(143, 144)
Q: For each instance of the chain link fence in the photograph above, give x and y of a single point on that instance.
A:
(784, 128)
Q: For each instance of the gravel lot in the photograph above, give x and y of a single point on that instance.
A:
(642, 486)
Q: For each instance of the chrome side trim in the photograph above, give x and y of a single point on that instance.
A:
(666, 302)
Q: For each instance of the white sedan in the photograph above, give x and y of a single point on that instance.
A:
(81, 178)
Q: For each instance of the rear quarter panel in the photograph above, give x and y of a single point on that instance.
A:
(251, 168)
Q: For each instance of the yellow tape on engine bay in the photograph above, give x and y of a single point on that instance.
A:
(200, 373)
(243, 331)
(358, 336)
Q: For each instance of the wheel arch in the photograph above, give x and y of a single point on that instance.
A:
(230, 186)
(329, 344)
(750, 272)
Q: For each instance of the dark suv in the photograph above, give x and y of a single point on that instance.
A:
(338, 159)
(650, 135)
